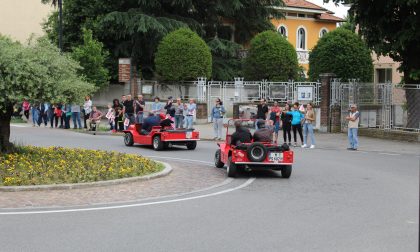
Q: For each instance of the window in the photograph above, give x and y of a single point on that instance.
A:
(301, 38)
(323, 32)
(301, 15)
(383, 75)
(282, 30)
(291, 14)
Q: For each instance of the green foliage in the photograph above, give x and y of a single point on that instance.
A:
(38, 72)
(343, 53)
(183, 55)
(271, 57)
(135, 28)
(226, 64)
(91, 56)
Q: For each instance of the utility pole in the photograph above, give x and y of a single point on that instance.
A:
(60, 25)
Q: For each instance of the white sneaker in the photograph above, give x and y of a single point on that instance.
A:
(304, 146)
(312, 146)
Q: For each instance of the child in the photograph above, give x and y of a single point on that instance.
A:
(110, 115)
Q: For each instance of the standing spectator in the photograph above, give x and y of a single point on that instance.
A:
(353, 127)
(66, 116)
(94, 119)
(217, 113)
(75, 114)
(275, 117)
(308, 127)
(129, 110)
(87, 109)
(262, 111)
(110, 115)
(50, 115)
(35, 115)
(26, 106)
(170, 109)
(286, 120)
(191, 112)
(58, 112)
(157, 106)
(139, 108)
(118, 108)
(185, 114)
(43, 114)
(179, 113)
(296, 122)
(123, 99)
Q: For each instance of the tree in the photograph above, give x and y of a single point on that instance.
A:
(271, 57)
(91, 56)
(37, 72)
(135, 28)
(226, 63)
(392, 27)
(183, 55)
(343, 53)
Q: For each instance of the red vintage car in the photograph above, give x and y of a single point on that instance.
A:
(160, 138)
(253, 156)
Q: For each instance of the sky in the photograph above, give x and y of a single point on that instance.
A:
(340, 11)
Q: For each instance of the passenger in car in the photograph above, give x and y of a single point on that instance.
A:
(149, 122)
(263, 134)
(241, 135)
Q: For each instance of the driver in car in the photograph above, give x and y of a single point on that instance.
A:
(263, 134)
(241, 135)
(149, 122)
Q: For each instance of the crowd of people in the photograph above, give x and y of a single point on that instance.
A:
(119, 115)
(271, 120)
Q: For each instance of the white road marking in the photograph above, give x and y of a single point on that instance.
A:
(389, 154)
(247, 183)
(18, 126)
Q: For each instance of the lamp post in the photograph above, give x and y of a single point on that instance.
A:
(60, 25)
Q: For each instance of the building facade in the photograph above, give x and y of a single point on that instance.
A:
(19, 19)
(304, 24)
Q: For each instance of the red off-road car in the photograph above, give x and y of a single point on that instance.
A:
(253, 156)
(160, 138)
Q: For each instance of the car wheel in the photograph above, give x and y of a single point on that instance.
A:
(128, 139)
(257, 152)
(192, 145)
(231, 168)
(286, 171)
(157, 143)
(218, 159)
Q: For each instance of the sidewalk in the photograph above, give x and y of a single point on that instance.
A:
(337, 141)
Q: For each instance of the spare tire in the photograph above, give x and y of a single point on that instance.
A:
(257, 152)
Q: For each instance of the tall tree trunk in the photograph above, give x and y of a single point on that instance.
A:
(5, 117)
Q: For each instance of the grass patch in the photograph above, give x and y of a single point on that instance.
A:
(17, 120)
(57, 165)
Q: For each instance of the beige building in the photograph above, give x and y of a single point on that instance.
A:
(385, 70)
(21, 18)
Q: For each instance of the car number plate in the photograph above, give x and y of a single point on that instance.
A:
(188, 135)
(275, 157)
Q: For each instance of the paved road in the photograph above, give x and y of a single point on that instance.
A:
(335, 201)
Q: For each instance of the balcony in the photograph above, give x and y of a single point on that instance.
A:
(303, 56)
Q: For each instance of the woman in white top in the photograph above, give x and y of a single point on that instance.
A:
(87, 109)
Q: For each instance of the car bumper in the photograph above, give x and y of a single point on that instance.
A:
(180, 140)
(261, 163)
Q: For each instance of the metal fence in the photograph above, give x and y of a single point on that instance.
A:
(381, 105)
(237, 91)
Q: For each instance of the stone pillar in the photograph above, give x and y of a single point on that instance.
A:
(201, 116)
(325, 101)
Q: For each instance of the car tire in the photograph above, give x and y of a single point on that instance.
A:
(286, 171)
(232, 169)
(128, 139)
(218, 159)
(158, 145)
(191, 145)
(257, 152)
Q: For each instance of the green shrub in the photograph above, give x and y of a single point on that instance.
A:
(343, 53)
(183, 55)
(271, 57)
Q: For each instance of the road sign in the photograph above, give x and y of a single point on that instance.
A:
(124, 65)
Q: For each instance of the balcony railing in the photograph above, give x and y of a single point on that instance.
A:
(303, 56)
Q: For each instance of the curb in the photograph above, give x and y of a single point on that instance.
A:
(168, 169)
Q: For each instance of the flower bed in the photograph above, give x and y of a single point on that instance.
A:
(56, 165)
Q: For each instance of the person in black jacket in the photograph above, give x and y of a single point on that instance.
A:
(287, 124)
(241, 135)
(170, 109)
